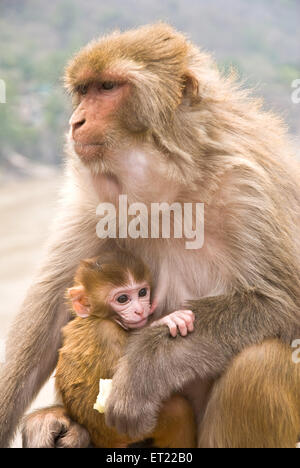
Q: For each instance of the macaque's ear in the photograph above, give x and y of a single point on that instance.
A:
(80, 302)
(191, 85)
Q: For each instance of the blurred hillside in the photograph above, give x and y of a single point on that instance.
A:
(260, 38)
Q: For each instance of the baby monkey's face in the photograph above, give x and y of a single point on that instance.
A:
(131, 304)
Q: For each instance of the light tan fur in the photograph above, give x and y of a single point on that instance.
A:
(183, 133)
(263, 373)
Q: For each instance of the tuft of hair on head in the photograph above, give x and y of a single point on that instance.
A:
(112, 269)
(152, 58)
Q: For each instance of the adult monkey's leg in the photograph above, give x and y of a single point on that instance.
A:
(256, 403)
(176, 426)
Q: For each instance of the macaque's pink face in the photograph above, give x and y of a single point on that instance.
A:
(132, 304)
(98, 105)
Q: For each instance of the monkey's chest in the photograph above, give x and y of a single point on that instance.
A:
(179, 275)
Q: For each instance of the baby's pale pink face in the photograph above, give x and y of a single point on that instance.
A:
(132, 304)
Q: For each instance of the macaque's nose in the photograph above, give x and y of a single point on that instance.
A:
(139, 309)
(76, 122)
(77, 125)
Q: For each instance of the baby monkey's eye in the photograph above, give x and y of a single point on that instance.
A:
(123, 299)
(108, 85)
(143, 292)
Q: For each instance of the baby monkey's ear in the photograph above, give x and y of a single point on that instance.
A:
(80, 302)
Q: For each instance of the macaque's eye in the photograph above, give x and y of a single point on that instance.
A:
(143, 292)
(123, 299)
(82, 90)
(109, 85)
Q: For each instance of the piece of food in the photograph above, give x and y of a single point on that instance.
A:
(105, 388)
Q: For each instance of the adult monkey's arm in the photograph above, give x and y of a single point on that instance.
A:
(35, 336)
(262, 302)
(156, 365)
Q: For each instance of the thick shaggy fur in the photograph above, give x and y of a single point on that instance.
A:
(242, 397)
(185, 133)
(91, 349)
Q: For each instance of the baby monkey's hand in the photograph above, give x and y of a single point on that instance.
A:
(182, 320)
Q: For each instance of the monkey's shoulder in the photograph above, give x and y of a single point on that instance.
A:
(97, 330)
(92, 342)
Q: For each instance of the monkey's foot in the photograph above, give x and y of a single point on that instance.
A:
(52, 428)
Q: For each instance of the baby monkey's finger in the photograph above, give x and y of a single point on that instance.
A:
(189, 319)
(172, 327)
(180, 322)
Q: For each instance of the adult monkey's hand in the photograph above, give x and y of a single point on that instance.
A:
(132, 411)
(154, 367)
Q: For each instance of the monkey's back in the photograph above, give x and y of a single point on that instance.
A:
(91, 349)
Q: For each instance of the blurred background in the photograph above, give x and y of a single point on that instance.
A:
(259, 38)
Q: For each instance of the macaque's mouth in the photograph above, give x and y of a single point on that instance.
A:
(87, 150)
(139, 324)
(87, 145)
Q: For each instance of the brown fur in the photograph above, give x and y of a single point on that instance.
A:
(91, 349)
(242, 396)
(100, 274)
(52, 428)
(201, 138)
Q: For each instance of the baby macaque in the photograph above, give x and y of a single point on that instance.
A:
(111, 298)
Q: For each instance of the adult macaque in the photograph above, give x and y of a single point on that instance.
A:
(111, 297)
(154, 119)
